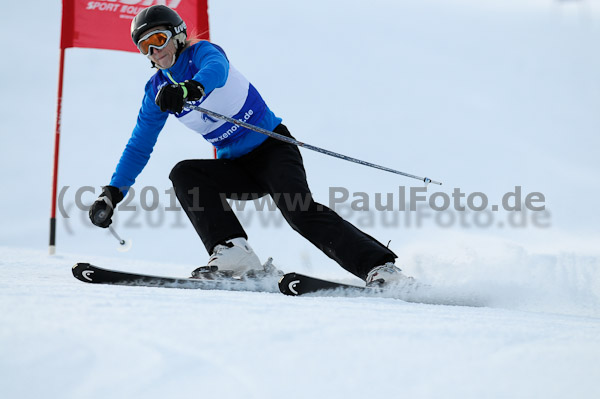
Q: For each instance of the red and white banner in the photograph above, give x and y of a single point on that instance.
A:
(106, 24)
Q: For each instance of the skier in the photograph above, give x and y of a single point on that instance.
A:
(249, 165)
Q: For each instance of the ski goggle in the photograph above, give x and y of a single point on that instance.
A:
(157, 39)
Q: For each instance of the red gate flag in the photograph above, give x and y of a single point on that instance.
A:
(107, 24)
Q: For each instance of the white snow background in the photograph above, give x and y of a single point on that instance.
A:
(482, 95)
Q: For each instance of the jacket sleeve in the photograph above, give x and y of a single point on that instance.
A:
(137, 152)
(212, 64)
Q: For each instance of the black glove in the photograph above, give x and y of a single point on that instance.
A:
(101, 210)
(172, 97)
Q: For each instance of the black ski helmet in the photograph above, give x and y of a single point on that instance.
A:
(154, 16)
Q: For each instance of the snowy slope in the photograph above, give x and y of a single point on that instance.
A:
(77, 340)
(484, 96)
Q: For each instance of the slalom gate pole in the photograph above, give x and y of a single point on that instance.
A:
(304, 145)
(61, 67)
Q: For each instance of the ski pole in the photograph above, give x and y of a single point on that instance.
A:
(99, 217)
(114, 233)
(124, 245)
(304, 145)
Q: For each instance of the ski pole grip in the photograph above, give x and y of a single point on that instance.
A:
(100, 216)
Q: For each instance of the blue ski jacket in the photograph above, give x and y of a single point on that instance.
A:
(228, 93)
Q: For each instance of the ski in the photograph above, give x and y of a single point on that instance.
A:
(295, 284)
(88, 273)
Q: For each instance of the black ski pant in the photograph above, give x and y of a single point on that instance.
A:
(274, 168)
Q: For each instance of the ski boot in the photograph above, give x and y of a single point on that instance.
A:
(234, 258)
(387, 275)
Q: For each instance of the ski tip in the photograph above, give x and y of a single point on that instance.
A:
(289, 284)
(81, 272)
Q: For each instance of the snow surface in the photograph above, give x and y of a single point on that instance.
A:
(62, 338)
(484, 96)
